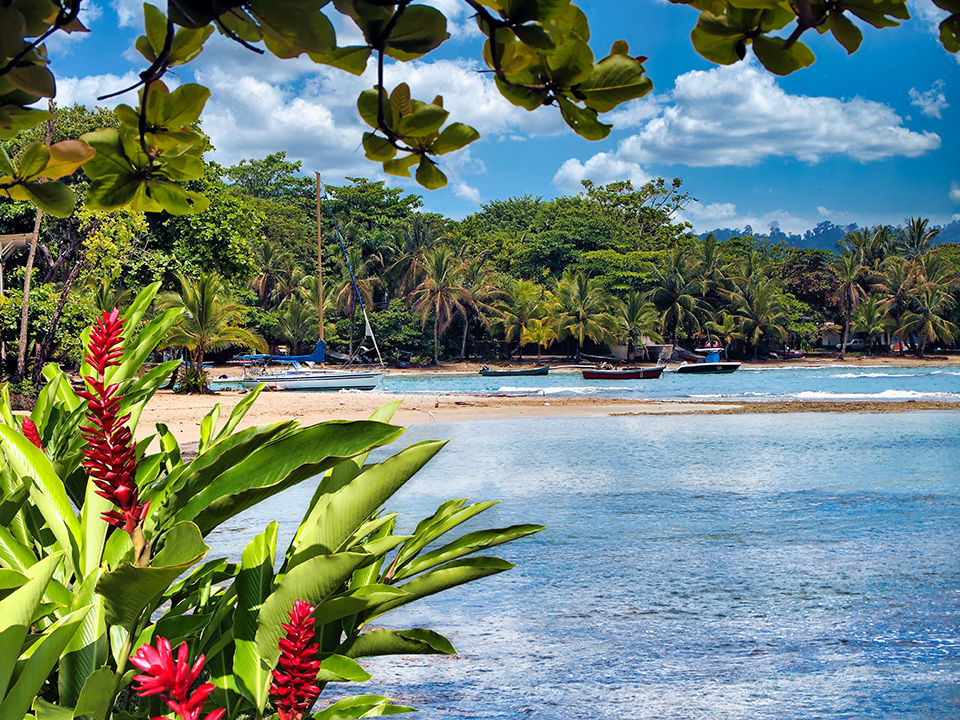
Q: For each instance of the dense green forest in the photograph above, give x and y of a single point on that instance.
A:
(610, 266)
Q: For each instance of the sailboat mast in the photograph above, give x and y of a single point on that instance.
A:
(319, 260)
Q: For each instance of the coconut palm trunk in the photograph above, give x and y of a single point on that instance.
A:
(436, 332)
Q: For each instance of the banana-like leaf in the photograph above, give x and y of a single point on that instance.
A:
(13, 553)
(40, 661)
(312, 581)
(97, 695)
(443, 578)
(338, 514)
(129, 590)
(87, 650)
(239, 411)
(281, 464)
(448, 516)
(93, 530)
(254, 583)
(417, 641)
(357, 601)
(361, 706)
(339, 668)
(208, 425)
(46, 490)
(466, 545)
(10, 503)
(17, 611)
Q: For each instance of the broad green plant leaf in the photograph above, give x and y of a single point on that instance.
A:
(417, 641)
(254, 583)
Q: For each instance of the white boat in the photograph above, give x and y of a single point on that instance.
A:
(316, 379)
(709, 362)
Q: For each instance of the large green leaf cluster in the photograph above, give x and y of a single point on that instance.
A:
(75, 602)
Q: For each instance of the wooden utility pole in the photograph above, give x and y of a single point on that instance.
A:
(319, 259)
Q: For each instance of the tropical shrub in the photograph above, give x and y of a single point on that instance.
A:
(104, 565)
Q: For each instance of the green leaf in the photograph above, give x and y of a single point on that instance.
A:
(155, 24)
(535, 10)
(614, 80)
(36, 80)
(571, 63)
(396, 642)
(17, 611)
(429, 175)
(368, 104)
(253, 583)
(339, 668)
(54, 198)
(448, 516)
(425, 119)
(536, 37)
(97, 695)
(950, 33)
(418, 31)
(46, 490)
(377, 148)
(453, 137)
(469, 543)
(336, 515)
(583, 121)
(10, 503)
(717, 41)
(312, 581)
(400, 166)
(129, 590)
(14, 120)
(774, 58)
(352, 59)
(360, 706)
(33, 160)
(238, 412)
(41, 659)
(845, 32)
(110, 158)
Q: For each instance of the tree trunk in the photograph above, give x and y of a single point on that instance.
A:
(463, 343)
(46, 347)
(436, 333)
(846, 333)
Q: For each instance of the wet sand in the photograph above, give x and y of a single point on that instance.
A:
(183, 413)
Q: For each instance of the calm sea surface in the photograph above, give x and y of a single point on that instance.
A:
(709, 567)
(800, 382)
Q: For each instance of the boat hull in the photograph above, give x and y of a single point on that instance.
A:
(651, 373)
(543, 370)
(330, 381)
(709, 367)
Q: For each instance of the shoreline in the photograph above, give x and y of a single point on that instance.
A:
(183, 413)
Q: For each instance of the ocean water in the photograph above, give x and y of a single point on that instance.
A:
(800, 382)
(708, 567)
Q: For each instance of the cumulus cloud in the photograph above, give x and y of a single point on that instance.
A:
(710, 216)
(467, 192)
(602, 168)
(85, 90)
(955, 192)
(738, 115)
(129, 12)
(931, 102)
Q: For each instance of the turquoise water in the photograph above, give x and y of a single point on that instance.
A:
(800, 382)
(708, 567)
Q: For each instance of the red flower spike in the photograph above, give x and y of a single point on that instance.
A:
(30, 432)
(294, 690)
(172, 679)
(111, 459)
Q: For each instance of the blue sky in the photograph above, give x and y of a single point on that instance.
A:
(862, 138)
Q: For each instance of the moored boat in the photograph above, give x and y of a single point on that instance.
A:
(542, 370)
(310, 379)
(711, 363)
(646, 373)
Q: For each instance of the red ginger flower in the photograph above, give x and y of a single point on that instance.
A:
(293, 690)
(111, 458)
(30, 432)
(172, 679)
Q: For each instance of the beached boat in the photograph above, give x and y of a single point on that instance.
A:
(316, 379)
(646, 373)
(710, 363)
(542, 370)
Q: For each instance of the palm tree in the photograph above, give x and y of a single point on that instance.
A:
(418, 237)
(210, 319)
(272, 264)
(106, 297)
(345, 294)
(849, 273)
(916, 237)
(478, 280)
(710, 267)
(676, 294)
(638, 318)
(539, 332)
(872, 319)
(762, 311)
(439, 291)
(524, 301)
(895, 288)
(296, 322)
(727, 328)
(926, 319)
(583, 310)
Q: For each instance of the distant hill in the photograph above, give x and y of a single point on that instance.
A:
(824, 236)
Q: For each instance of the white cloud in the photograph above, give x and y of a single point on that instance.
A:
(955, 192)
(634, 113)
(467, 192)
(129, 12)
(726, 215)
(85, 90)
(602, 168)
(62, 43)
(738, 115)
(931, 102)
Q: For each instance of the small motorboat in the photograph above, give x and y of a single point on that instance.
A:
(542, 370)
(710, 362)
(643, 373)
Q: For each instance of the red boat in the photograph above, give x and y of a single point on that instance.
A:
(647, 373)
